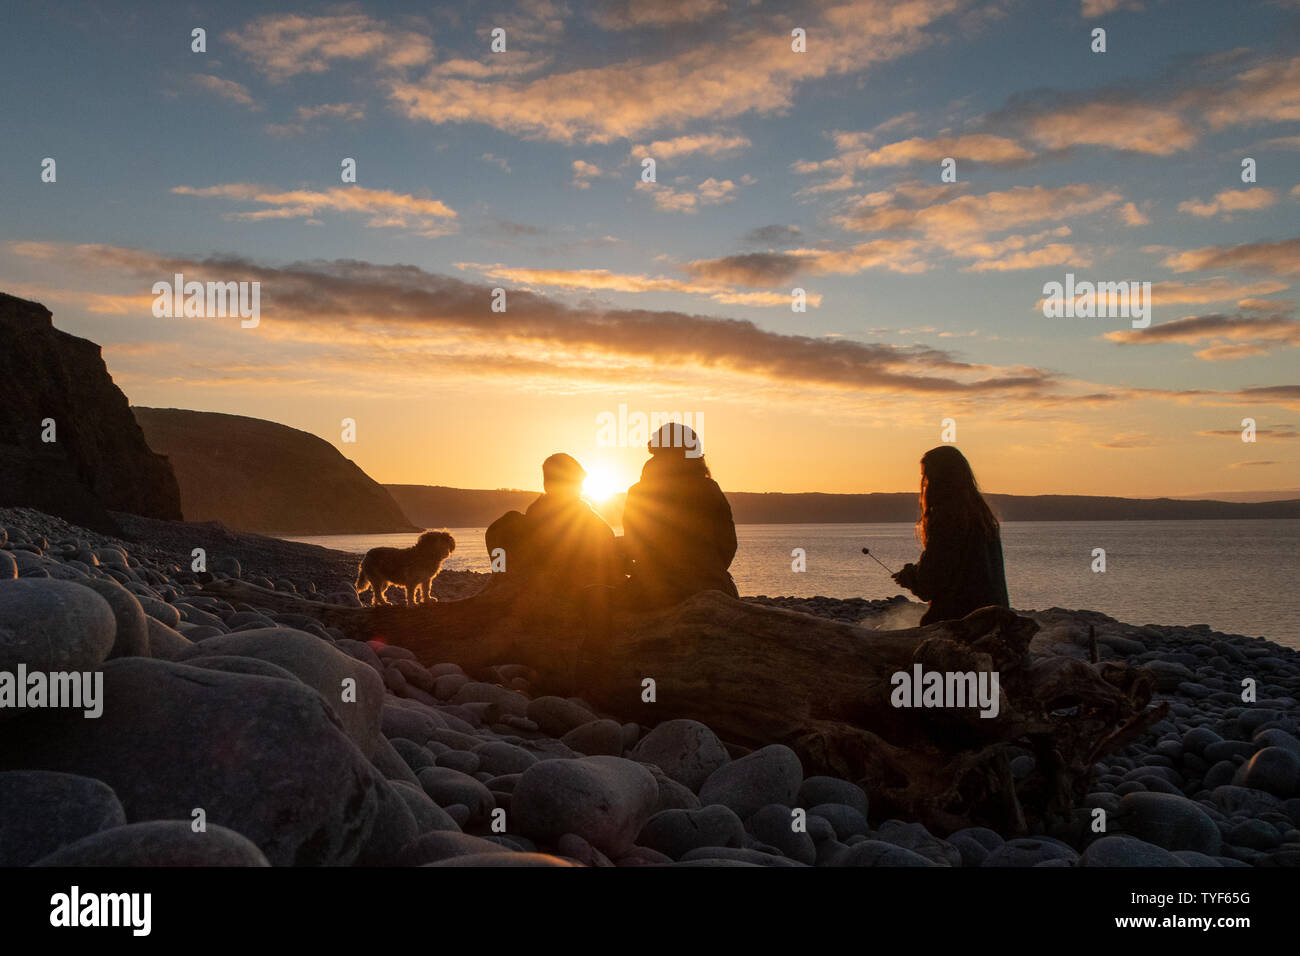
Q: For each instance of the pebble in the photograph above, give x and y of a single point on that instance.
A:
(771, 774)
(685, 750)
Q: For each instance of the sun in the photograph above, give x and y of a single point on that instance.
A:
(601, 483)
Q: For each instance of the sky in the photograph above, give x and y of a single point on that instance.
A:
(775, 168)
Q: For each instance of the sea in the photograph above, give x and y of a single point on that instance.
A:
(1239, 577)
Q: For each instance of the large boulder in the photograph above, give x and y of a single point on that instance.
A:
(53, 626)
(159, 843)
(605, 800)
(264, 757)
(359, 706)
(41, 811)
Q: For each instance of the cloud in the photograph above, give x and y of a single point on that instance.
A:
(758, 270)
(603, 280)
(386, 208)
(307, 115)
(972, 148)
(710, 192)
(1128, 126)
(1230, 201)
(708, 144)
(1126, 440)
(1161, 118)
(964, 226)
(281, 46)
(496, 161)
(1252, 464)
(1280, 258)
(402, 309)
(773, 235)
(1284, 432)
(1132, 216)
(226, 89)
(584, 172)
(637, 14)
(1230, 337)
(745, 67)
(1099, 8)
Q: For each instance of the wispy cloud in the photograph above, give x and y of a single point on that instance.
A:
(226, 89)
(386, 209)
(1229, 201)
(281, 46)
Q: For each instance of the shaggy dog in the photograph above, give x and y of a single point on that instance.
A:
(412, 569)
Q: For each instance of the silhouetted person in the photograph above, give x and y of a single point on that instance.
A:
(960, 568)
(677, 526)
(559, 544)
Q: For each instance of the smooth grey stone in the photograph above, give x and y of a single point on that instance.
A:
(389, 762)
(774, 825)
(915, 837)
(818, 790)
(557, 715)
(394, 828)
(605, 800)
(845, 820)
(428, 815)
(879, 853)
(160, 843)
(447, 787)
(160, 610)
(1127, 851)
(299, 788)
(1169, 821)
(53, 626)
(675, 832)
(771, 774)
(1030, 852)
(165, 643)
(503, 858)
(712, 854)
(41, 811)
(499, 758)
(417, 726)
(685, 750)
(1275, 770)
(596, 737)
(317, 665)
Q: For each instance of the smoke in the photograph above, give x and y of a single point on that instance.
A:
(896, 618)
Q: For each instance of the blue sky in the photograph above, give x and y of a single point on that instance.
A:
(775, 169)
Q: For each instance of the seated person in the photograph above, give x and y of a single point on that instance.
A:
(560, 544)
(960, 569)
(677, 525)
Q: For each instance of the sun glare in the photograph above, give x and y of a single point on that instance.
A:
(601, 484)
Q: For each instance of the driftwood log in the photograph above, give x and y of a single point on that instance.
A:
(759, 675)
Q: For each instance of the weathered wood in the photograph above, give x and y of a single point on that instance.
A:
(758, 675)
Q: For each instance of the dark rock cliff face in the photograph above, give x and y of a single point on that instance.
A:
(100, 461)
(255, 475)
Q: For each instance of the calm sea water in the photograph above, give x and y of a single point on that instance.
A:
(1240, 577)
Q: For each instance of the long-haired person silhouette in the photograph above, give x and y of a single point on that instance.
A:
(960, 568)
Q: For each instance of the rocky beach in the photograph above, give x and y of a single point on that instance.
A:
(233, 734)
